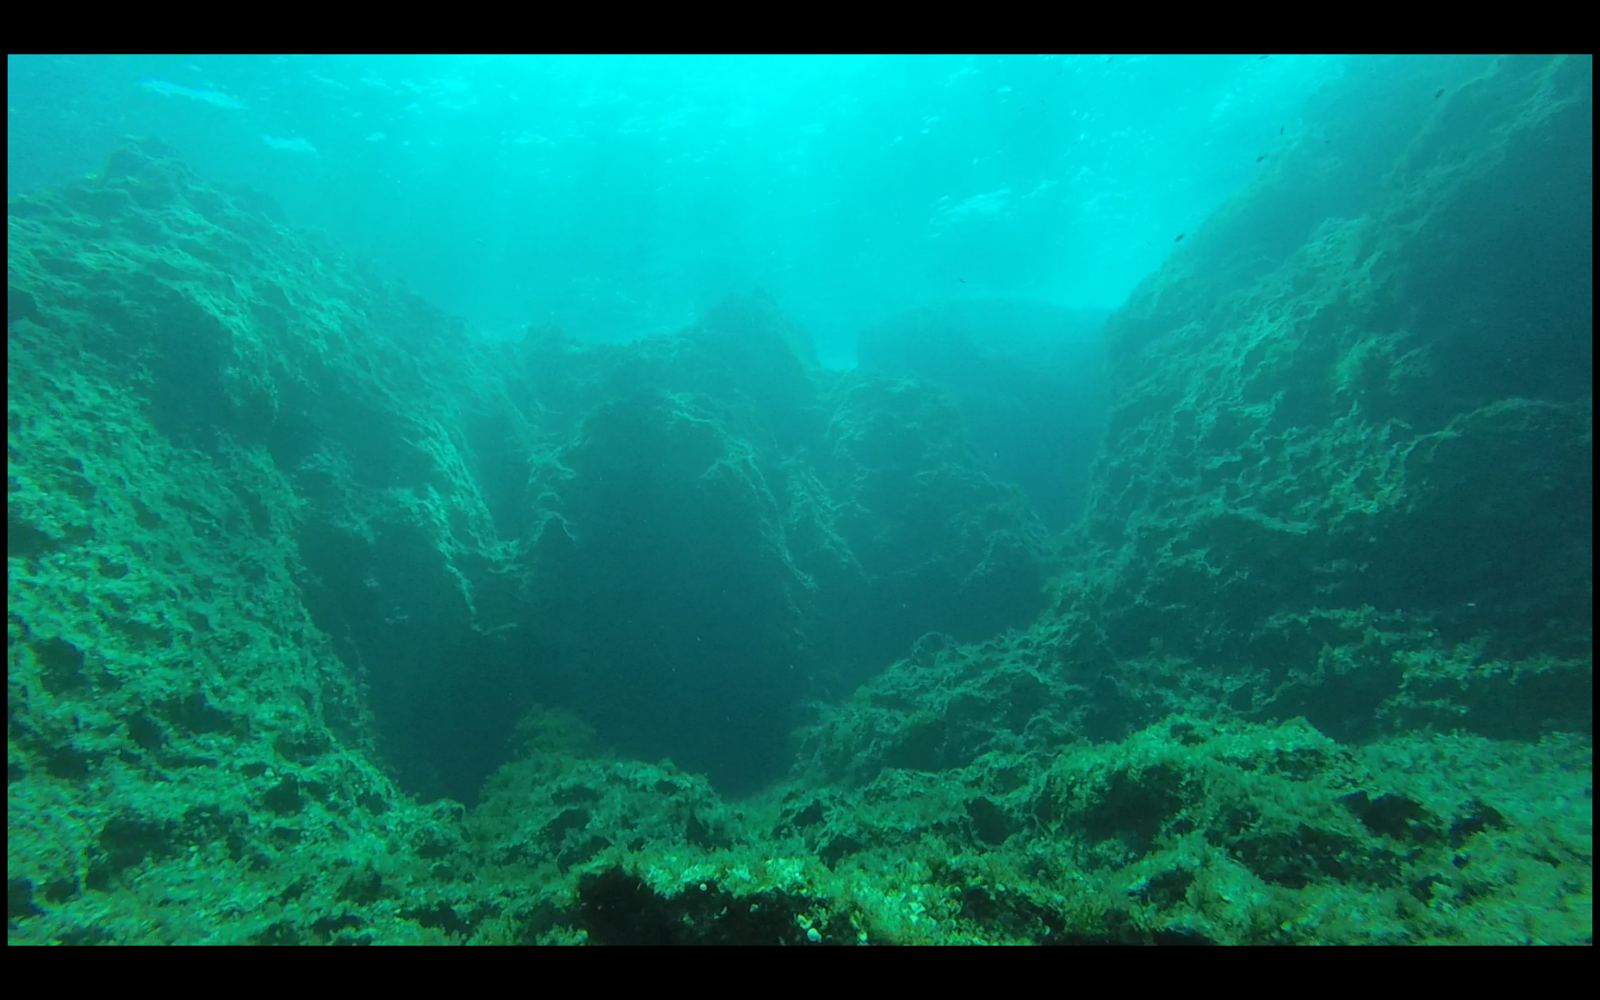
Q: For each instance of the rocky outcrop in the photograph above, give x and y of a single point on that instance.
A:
(1359, 448)
(276, 527)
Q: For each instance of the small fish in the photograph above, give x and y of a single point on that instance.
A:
(1180, 237)
(1263, 156)
(1438, 95)
(1259, 58)
(1280, 129)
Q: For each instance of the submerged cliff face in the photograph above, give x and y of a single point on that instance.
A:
(1372, 424)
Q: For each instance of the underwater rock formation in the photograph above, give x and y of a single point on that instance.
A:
(1349, 465)
(290, 555)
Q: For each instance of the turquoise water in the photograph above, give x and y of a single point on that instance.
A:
(622, 196)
